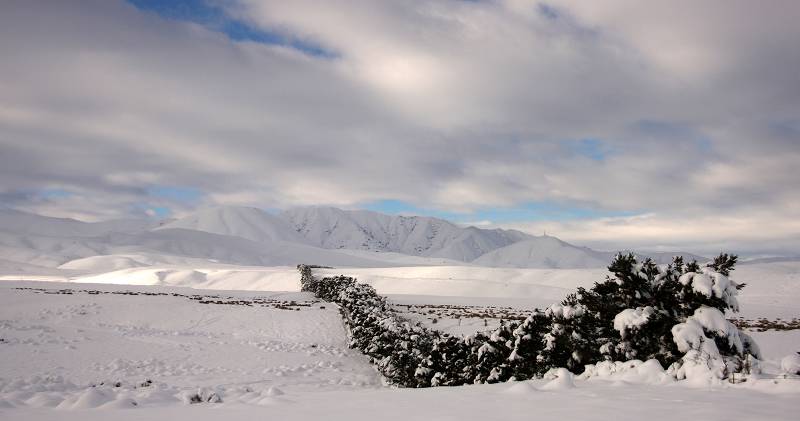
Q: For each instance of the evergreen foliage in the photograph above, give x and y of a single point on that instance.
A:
(673, 314)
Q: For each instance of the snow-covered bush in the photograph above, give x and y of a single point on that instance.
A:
(713, 346)
(674, 315)
(203, 395)
(525, 359)
(407, 354)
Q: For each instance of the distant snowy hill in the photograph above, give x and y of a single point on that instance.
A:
(783, 259)
(252, 237)
(432, 237)
(30, 224)
(664, 257)
(413, 235)
(250, 223)
(548, 252)
(33, 244)
(544, 252)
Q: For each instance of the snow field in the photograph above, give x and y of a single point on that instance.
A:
(260, 361)
(772, 290)
(594, 399)
(60, 345)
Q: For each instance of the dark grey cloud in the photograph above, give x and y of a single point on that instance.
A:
(690, 112)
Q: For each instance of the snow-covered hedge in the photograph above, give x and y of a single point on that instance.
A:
(396, 346)
(674, 315)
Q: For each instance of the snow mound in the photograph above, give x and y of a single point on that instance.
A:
(561, 380)
(102, 263)
(265, 397)
(274, 391)
(521, 388)
(246, 279)
(90, 398)
(55, 392)
(790, 364)
(634, 371)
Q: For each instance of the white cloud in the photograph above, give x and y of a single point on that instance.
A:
(741, 232)
(444, 104)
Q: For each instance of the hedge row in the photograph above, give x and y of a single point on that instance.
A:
(644, 312)
(410, 355)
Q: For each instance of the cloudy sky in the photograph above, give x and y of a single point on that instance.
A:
(670, 124)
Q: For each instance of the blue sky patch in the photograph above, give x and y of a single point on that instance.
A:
(214, 17)
(675, 131)
(594, 149)
(146, 209)
(663, 128)
(548, 11)
(185, 195)
(54, 193)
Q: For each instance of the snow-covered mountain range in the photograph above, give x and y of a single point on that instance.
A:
(333, 228)
(249, 236)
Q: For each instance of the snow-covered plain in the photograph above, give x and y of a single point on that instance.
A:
(55, 346)
(292, 363)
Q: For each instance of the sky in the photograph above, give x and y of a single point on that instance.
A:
(651, 125)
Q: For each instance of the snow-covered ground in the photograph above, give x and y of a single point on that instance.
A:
(284, 355)
(55, 343)
(772, 291)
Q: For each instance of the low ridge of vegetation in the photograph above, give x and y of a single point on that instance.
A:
(674, 314)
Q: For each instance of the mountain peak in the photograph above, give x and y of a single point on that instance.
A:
(239, 221)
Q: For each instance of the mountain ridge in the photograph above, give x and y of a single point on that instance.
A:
(328, 227)
(251, 236)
